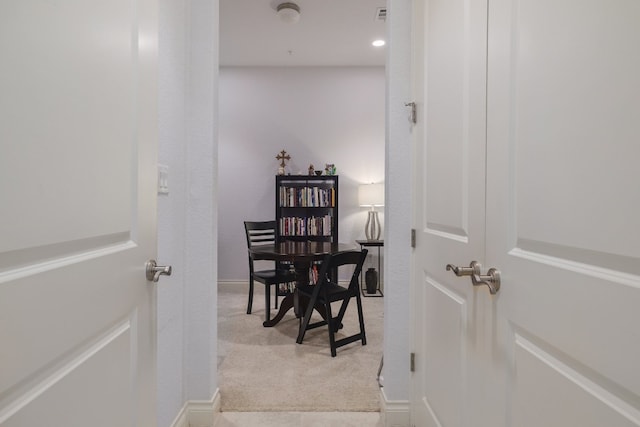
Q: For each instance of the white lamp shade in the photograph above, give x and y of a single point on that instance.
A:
(371, 195)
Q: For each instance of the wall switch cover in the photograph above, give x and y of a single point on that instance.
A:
(163, 179)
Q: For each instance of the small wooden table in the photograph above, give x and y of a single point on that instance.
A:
(301, 254)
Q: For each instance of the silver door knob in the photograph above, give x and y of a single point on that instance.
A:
(474, 268)
(154, 271)
(491, 279)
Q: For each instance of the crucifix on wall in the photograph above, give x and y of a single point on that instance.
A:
(283, 156)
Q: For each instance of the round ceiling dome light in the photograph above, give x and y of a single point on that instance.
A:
(378, 43)
(288, 12)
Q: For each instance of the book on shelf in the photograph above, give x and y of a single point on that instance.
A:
(287, 287)
(306, 197)
(309, 226)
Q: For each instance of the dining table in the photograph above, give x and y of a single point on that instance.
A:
(301, 255)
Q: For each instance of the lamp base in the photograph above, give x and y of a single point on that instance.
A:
(372, 228)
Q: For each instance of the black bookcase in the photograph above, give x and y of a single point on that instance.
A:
(307, 208)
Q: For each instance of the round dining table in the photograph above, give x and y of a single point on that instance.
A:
(300, 254)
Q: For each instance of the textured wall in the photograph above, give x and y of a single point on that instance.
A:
(398, 206)
(187, 220)
(171, 212)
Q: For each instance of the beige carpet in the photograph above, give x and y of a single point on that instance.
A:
(263, 369)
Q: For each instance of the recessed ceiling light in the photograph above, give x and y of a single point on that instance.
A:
(378, 43)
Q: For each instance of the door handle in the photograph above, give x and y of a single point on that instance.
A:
(154, 271)
(473, 269)
(491, 279)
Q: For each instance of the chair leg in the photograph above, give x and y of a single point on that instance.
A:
(361, 319)
(333, 328)
(250, 303)
(267, 302)
(341, 312)
(304, 322)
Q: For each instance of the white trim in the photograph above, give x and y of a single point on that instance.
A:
(397, 413)
(246, 283)
(199, 413)
(233, 282)
(181, 418)
(65, 371)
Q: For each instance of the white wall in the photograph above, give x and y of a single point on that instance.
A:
(318, 115)
(398, 207)
(187, 220)
(171, 212)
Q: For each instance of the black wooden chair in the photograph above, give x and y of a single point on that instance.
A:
(327, 291)
(264, 233)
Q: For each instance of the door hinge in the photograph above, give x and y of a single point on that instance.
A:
(413, 362)
(414, 113)
(413, 237)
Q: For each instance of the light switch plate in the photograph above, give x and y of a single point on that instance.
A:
(163, 179)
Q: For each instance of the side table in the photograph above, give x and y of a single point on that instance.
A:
(376, 244)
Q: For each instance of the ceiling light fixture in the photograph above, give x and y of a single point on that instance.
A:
(288, 12)
(378, 43)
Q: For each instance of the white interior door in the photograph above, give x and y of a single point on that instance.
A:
(449, 67)
(563, 208)
(558, 345)
(77, 181)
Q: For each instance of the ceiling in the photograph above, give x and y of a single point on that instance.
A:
(329, 33)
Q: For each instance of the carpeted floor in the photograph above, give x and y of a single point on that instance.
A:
(263, 369)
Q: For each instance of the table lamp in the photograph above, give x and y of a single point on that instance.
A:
(371, 195)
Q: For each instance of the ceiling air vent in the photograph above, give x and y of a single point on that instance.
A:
(381, 14)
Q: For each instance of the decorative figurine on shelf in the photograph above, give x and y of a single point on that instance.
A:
(311, 169)
(282, 157)
(329, 169)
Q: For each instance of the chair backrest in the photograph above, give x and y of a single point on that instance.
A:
(260, 232)
(332, 262)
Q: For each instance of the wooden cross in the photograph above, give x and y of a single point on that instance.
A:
(282, 157)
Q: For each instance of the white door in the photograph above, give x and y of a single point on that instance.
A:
(563, 208)
(77, 212)
(449, 67)
(558, 345)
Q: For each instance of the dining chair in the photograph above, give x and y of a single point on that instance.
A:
(327, 290)
(264, 233)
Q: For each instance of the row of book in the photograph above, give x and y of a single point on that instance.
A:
(309, 226)
(307, 197)
(286, 287)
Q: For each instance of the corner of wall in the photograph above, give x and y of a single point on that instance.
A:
(199, 413)
(397, 413)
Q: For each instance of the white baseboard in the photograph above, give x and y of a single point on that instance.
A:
(397, 413)
(181, 419)
(234, 282)
(198, 413)
(246, 283)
